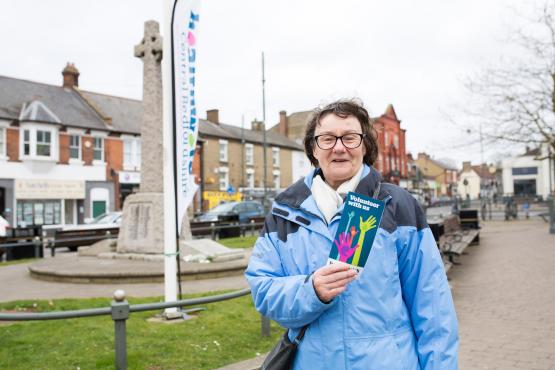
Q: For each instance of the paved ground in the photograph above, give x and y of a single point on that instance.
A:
(505, 298)
(504, 292)
(15, 284)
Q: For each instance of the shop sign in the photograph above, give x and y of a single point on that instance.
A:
(216, 197)
(49, 189)
(129, 177)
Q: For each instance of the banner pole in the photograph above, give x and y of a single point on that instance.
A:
(170, 229)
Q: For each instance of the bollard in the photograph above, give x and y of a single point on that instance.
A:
(212, 231)
(120, 313)
(37, 243)
(52, 245)
(265, 326)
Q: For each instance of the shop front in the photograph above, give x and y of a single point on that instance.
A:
(48, 202)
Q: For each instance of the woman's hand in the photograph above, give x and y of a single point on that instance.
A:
(329, 281)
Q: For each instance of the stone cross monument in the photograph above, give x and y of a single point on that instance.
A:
(142, 228)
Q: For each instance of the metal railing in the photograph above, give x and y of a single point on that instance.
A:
(120, 310)
(214, 228)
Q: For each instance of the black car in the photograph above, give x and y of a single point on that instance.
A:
(244, 209)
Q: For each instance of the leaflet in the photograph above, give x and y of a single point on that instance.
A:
(357, 230)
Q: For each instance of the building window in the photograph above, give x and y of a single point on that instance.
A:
(128, 153)
(275, 157)
(525, 171)
(39, 143)
(276, 181)
(223, 150)
(44, 141)
(249, 157)
(2, 141)
(74, 146)
(224, 181)
(98, 149)
(26, 142)
(396, 141)
(250, 180)
(38, 212)
(131, 153)
(386, 138)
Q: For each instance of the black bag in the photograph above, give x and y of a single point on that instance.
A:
(282, 355)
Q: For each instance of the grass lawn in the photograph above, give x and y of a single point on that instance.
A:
(17, 262)
(239, 242)
(226, 332)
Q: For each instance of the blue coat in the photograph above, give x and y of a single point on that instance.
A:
(397, 315)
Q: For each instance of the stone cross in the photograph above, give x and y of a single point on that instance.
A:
(150, 51)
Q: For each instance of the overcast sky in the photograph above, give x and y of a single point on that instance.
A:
(412, 54)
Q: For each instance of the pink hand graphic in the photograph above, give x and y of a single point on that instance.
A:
(344, 246)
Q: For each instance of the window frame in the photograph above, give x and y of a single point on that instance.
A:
(275, 156)
(223, 150)
(73, 147)
(249, 154)
(32, 143)
(95, 149)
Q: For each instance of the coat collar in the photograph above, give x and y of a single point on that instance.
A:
(299, 196)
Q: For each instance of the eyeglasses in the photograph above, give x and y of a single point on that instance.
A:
(349, 141)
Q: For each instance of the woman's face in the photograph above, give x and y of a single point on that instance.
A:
(339, 164)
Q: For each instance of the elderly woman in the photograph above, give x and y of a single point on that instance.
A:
(399, 313)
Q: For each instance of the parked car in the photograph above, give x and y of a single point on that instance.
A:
(105, 220)
(94, 230)
(244, 210)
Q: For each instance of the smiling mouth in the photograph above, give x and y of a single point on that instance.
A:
(340, 160)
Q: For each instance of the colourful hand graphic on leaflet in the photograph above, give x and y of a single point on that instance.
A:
(365, 226)
(344, 246)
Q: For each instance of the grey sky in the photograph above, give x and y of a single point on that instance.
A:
(412, 54)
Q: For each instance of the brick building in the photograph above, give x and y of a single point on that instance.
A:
(67, 154)
(232, 161)
(440, 178)
(392, 159)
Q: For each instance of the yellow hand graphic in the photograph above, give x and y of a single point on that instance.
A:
(369, 224)
(364, 226)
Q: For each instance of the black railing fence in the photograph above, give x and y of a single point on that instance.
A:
(120, 311)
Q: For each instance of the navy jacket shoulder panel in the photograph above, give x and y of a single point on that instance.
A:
(402, 210)
(294, 195)
(282, 226)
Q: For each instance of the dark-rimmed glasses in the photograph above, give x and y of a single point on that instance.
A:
(349, 141)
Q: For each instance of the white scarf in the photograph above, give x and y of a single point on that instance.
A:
(329, 200)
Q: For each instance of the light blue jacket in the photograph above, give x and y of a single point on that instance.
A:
(397, 315)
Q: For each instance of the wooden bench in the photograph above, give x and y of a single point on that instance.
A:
(73, 239)
(456, 238)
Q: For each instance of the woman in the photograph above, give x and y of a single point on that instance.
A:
(399, 313)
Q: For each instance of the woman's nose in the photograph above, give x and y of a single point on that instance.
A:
(339, 147)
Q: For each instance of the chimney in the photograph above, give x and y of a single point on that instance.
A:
(213, 115)
(283, 123)
(466, 166)
(257, 125)
(71, 76)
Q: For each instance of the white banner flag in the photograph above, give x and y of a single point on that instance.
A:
(184, 24)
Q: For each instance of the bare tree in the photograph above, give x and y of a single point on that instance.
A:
(515, 100)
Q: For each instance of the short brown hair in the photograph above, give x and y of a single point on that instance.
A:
(343, 108)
